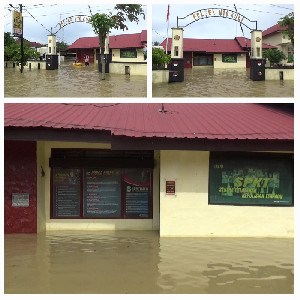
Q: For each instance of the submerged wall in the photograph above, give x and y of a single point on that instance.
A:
(128, 68)
(188, 213)
(279, 74)
(160, 76)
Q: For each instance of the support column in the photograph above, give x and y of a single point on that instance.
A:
(176, 72)
(106, 56)
(257, 63)
(52, 57)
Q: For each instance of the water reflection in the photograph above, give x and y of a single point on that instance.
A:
(71, 81)
(140, 262)
(210, 82)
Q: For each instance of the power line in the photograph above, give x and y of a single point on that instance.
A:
(38, 21)
(282, 7)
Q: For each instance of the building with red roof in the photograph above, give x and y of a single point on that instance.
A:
(219, 53)
(126, 49)
(275, 36)
(216, 169)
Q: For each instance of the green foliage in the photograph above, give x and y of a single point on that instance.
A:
(8, 39)
(12, 50)
(159, 59)
(275, 56)
(290, 58)
(127, 11)
(289, 22)
(103, 23)
(156, 44)
(61, 46)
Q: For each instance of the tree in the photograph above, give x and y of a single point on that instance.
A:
(288, 21)
(159, 59)
(275, 56)
(156, 44)
(12, 50)
(103, 23)
(61, 46)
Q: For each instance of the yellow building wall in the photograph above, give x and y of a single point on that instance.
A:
(187, 213)
(240, 64)
(43, 207)
(134, 68)
(116, 56)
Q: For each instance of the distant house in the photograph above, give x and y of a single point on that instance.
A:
(217, 53)
(274, 36)
(126, 50)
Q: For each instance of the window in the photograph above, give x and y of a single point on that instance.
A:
(89, 184)
(229, 58)
(202, 60)
(251, 179)
(128, 53)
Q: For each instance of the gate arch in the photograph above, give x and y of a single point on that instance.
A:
(257, 63)
(217, 13)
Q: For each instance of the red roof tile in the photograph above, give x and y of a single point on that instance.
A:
(214, 45)
(273, 29)
(242, 42)
(242, 121)
(135, 40)
(207, 45)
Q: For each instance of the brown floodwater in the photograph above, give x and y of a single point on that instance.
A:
(210, 82)
(71, 81)
(140, 262)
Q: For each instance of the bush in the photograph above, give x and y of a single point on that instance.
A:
(159, 59)
(275, 56)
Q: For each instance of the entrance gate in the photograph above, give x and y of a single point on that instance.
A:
(257, 63)
(52, 57)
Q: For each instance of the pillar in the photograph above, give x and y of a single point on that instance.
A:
(257, 63)
(256, 44)
(176, 69)
(177, 43)
(52, 44)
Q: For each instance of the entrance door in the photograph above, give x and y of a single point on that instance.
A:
(187, 56)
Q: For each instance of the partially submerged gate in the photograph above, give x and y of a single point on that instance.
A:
(257, 63)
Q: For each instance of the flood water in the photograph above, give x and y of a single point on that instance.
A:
(140, 262)
(210, 82)
(71, 81)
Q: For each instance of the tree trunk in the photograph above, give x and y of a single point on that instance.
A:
(102, 48)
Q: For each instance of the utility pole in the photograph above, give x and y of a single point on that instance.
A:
(22, 48)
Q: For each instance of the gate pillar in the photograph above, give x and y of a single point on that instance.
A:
(257, 63)
(51, 57)
(51, 44)
(176, 72)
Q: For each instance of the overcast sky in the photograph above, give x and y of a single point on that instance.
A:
(39, 18)
(266, 16)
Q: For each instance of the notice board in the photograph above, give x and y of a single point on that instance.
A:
(102, 193)
(137, 192)
(66, 192)
(251, 179)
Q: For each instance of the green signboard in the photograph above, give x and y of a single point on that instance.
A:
(128, 53)
(251, 179)
(229, 58)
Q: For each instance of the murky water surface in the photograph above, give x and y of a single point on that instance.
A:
(140, 262)
(209, 82)
(71, 81)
